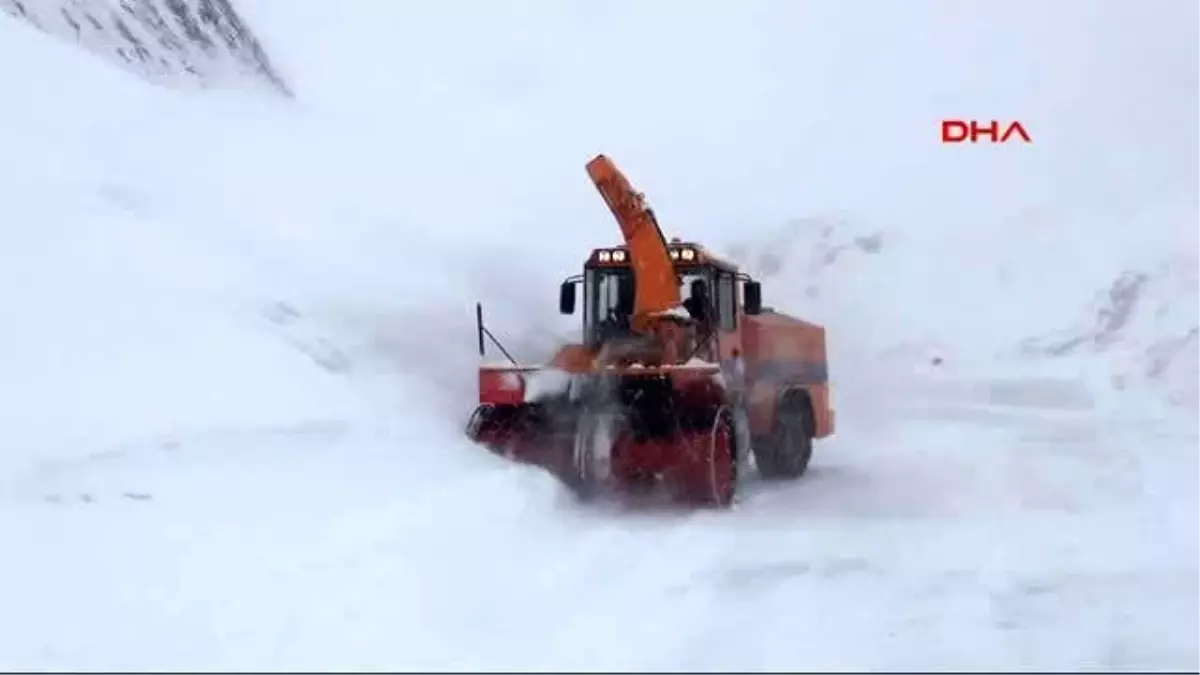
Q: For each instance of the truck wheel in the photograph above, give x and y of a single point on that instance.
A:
(583, 475)
(787, 451)
(721, 465)
(707, 471)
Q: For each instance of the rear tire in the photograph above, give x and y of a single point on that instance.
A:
(788, 450)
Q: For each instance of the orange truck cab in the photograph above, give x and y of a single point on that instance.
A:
(782, 360)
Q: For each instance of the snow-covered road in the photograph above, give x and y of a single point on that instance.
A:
(958, 537)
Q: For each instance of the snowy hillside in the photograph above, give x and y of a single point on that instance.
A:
(1128, 318)
(168, 41)
(1144, 325)
(237, 360)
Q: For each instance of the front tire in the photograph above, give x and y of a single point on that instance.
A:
(590, 454)
(720, 470)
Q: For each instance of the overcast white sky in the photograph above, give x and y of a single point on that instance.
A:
(747, 112)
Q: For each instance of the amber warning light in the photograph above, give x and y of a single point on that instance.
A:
(991, 131)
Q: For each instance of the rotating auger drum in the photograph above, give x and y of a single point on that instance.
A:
(671, 428)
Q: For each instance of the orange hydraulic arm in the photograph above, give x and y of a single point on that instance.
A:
(657, 282)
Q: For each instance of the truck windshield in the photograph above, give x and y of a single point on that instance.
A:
(609, 295)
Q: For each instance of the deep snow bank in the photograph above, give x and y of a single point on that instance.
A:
(127, 314)
(174, 260)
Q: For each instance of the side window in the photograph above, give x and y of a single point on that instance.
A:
(727, 301)
(591, 290)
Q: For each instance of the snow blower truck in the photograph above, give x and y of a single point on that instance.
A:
(680, 377)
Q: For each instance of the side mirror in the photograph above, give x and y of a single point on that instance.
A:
(753, 297)
(566, 298)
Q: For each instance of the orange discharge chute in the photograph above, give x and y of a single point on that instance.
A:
(657, 282)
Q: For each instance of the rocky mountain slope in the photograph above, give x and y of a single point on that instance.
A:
(205, 42)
